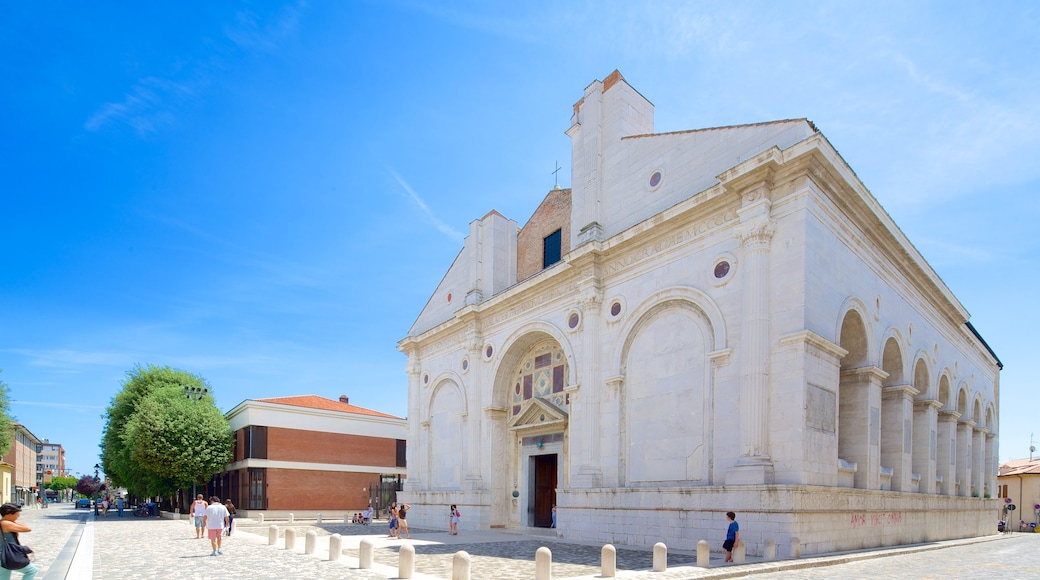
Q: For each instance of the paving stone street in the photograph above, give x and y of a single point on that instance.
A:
(71, 544)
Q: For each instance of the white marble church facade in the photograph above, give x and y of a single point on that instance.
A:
(709, 320)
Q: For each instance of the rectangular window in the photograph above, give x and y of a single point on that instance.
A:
(256, 442)
(257, 486)
(402, 449)
(551, 248)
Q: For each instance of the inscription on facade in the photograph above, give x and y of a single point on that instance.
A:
(670, 241)
(875, 520)
(538, 300)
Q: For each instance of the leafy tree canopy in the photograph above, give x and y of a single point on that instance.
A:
(87, 486)
(6, 421)
(59, 483)
(157, 440)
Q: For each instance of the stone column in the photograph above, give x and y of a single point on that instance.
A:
(755, 466)
(978, 435)
(926, 414)
(897, 434)
(964, 428)
(946, 454)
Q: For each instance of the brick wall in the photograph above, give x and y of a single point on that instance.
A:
(320, 447)
(553, 214)
(297, 489)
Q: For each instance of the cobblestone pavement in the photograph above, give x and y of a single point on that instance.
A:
(51, 529)
(131, 548)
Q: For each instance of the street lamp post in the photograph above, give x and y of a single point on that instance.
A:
(195, 394)
(97, 481)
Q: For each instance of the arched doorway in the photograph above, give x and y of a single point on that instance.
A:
(531, 432)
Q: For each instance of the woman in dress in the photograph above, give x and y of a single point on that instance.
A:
(231, 514)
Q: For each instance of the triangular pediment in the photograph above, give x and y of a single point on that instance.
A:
(537, 413)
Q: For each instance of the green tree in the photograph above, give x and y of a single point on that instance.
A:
(156, 440)
(61, 483)
(177, 441)
(6, 422)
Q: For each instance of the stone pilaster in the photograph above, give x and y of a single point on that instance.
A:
(978, 481)
(589, 473)
(859, 423)
(926, 415)
(946, 455)
(897, 412)
(964, 462)
(416, 452)
(473, 386)
(755, 466)
(990, 477)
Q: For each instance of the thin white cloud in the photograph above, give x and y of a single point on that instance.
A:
(61, 358)
(255, 34)
(147, 108)
(442, 227)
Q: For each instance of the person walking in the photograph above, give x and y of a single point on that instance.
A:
(198, 512)
(453, 521)
(11, 528)
(120, 505)
(216, 519)
(402, 523)
(393, 520)
(732, 535)
(231, 514)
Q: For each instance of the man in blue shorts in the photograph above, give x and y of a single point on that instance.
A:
(732, 535)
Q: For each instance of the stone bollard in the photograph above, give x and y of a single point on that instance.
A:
(608, 561)
(770, 554)
(406, 561)
(272, 535)
(290, 538)
(319, 519)
(543, 564)
(292, 518)
(739, 552)
(310, 542)
(335, 547)
(346, 519)
(660, 557)
(460, 566)
(260, 518)
(704, 554)
(796, 548)
(365, 554)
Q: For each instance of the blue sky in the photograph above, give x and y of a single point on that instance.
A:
(266, 194)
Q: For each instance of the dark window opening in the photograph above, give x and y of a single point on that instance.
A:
(551, 248)
(402, 449)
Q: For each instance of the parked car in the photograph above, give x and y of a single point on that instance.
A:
(83, 503)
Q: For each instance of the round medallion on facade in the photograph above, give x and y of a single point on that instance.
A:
(722, 269)
(573, 320)
(449, 297)
(655, 180)
(615, 309)
(426, 378)
(465, 364)
(616, 306)
(489, 351)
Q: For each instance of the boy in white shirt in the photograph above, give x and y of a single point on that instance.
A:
(198, 510)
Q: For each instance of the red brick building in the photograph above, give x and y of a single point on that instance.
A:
(310, 453)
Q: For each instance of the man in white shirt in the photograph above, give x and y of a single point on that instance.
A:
(216, 518)
(198, 510)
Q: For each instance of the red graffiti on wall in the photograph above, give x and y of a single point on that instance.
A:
(875, 520)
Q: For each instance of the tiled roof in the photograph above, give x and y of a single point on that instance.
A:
(1020, 467)
(316, 402)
